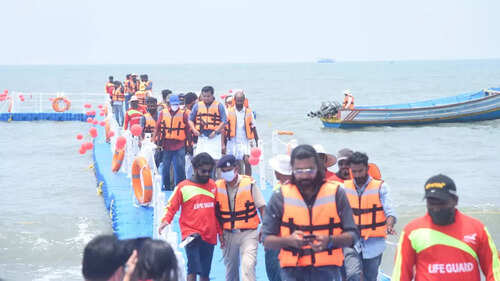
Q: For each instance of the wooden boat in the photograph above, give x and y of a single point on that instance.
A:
(483, 105)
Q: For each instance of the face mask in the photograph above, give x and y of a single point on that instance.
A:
(174, 107)
(228, 176)
(182, 106)
(443, 216)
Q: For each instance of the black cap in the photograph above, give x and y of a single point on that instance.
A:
(441, 187)
(226, 161)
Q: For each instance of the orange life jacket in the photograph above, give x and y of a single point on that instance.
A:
(132, 86)
(325, 220)
(150, 123)
(244, 214)
(346, 101)
(145, 85)
(231, 118)
(141, 96)
(207, 118)
(367, 209)
(118, 95)
(173, 127)
(110, 88)
(373, 171)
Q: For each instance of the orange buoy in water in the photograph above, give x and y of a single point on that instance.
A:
(142, 181)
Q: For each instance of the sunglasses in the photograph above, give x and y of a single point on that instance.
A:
(307, 171)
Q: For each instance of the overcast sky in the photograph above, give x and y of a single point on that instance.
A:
(218, 31)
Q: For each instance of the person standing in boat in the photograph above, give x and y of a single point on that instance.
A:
(171, 134)
(348, 100)
(239, 202)
(110, 87)
(310, 246)
(198, 222)
(241, 133)
(373, 213)
(207, 121)
(445, 244)
(133, 115)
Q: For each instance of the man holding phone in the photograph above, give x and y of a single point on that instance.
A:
(309, 221)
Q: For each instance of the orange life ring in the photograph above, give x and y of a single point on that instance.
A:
(56, 104)
(116, 163)
(142, 181)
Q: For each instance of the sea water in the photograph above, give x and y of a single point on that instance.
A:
(50, 208)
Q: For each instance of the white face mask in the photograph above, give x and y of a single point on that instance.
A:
(182, 106)
(174, 107)
(228, 176)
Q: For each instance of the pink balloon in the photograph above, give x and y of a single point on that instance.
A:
(255, 152)
(101, 113)
(89, 120)
(5, 91)
(79, 136)
(102, 123)
(95, 122)
(87, 105)
(253, 160)
(82, 151)
(136, 130)
(120, 142)
(99, 106)
(88, 145)
(93, 132)
(88, 113)
(110, 134)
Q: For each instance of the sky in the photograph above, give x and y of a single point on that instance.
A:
(245, 31)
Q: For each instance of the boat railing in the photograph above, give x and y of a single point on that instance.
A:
(38, 102)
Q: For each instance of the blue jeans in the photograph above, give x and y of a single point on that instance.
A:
(128, 96)
(370, 268)
(273, 269)
(118, 112)
(177, 157)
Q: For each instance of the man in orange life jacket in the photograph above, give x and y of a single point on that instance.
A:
(133, 115)
(171, 134)
(131, 86)
(110, 87)
(238, 199)
(242, 133)
(117, 100)
(148, 120)
(311, 247)
(198, 222)
(373, 213)
(445, 244)
(207, 121)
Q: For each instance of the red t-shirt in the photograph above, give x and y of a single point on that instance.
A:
(198, 210)
(454, 252)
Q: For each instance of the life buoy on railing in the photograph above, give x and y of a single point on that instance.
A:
(56, 104)
(142, 181)
(116, 163)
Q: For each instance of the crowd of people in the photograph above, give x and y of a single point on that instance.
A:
(317, 225)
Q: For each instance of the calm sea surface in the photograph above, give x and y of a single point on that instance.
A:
(49, 206)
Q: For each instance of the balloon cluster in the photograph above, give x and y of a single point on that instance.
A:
(92, 133)
(255, 153)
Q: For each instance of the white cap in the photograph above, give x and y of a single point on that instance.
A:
(281, 164)
(347, 92)
(330, 158)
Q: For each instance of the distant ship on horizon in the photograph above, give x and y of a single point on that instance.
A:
(325, 60)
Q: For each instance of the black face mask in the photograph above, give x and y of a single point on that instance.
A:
(203, 179)
(443, 216)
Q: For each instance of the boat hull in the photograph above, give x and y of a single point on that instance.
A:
(477, 108)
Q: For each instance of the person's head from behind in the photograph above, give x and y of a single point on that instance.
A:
(190, 99)
(144, 77)
(110, 78)
(307, 169)
(117, 84)
(127, 77)
(102, 259)
(203, 164)
(207, 94)
(164, 94)
(359, 167)
(239, 99)
(442, 199)
(156, 261)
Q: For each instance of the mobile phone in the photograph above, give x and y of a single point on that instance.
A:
(310, 237)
